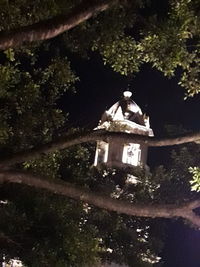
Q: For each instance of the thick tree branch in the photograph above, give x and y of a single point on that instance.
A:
(52, 27)
(93, 136)
(105, 202)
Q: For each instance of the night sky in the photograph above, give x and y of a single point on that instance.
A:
(162, 99)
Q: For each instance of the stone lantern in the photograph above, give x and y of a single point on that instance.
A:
(123, 116)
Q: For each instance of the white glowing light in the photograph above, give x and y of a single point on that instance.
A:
(131, 154)
(127, 94)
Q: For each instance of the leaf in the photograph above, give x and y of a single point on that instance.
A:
(10, 54)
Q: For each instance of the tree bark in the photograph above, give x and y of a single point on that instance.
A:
(93, 136)
(52, 27)
(66, 189)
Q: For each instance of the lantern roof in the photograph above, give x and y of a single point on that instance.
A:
(125, 115)
(124, 109)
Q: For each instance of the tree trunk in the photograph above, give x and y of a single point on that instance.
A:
(66, 189)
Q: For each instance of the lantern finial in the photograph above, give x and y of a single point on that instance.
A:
(127, 94)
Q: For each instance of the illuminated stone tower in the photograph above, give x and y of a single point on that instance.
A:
(123, 116)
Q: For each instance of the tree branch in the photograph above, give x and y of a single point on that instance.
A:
(105, 202)
(6, 239)
(93, 136)
(52, 27)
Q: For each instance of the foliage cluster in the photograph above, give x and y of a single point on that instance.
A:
(195, 182)
(47, 230)
(128, 35)
(168, 41)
